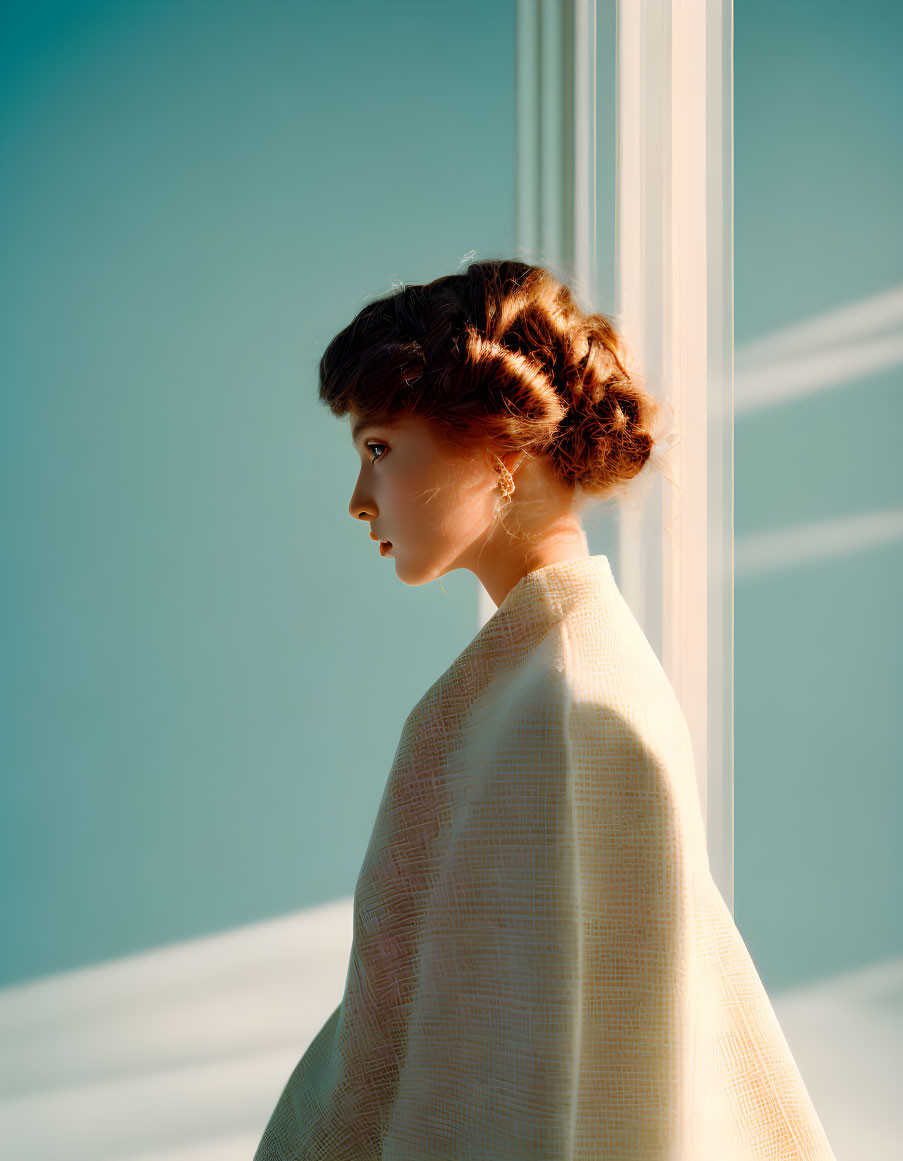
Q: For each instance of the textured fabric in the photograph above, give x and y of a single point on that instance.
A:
(542, 966)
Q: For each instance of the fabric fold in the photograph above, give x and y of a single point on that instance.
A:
(542, 967)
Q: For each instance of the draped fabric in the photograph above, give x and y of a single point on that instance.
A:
(542, 966)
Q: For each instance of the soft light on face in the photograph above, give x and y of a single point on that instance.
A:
(434, 503)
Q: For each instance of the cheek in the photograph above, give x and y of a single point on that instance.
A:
(400, 506)
(418, 503)
(463, 508)
(446, 500)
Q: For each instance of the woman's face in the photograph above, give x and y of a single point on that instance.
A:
(434, 503)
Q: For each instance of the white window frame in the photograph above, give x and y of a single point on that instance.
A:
(674, 246)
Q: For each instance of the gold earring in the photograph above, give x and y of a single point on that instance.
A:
(506, 482)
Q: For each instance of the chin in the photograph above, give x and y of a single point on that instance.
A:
(414, 575)
(413, 578)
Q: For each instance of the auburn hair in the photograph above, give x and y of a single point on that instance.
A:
(499, 355)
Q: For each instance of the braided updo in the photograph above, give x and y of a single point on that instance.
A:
(499, 354)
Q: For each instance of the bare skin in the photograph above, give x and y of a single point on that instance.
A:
(443, 509)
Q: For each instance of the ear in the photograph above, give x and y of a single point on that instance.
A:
(512, 461)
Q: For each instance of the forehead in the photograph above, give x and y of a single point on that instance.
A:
(358, 424)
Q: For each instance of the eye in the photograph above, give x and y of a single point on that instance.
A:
(374, 443)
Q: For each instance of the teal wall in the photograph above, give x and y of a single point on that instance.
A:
(819, 646)
(206, 662)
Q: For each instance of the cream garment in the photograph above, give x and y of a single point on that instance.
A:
(542, 966)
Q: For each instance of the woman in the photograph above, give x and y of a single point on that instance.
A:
(542, 966)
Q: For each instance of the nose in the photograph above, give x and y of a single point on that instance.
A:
(358, 508)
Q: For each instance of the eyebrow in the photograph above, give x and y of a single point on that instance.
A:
(361, 424)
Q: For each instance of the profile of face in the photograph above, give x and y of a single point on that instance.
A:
(435, 503)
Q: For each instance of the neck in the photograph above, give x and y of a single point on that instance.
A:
(500, 566)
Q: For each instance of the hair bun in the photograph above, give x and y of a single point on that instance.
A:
(500, 354)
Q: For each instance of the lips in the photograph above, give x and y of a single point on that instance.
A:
(384, 546)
